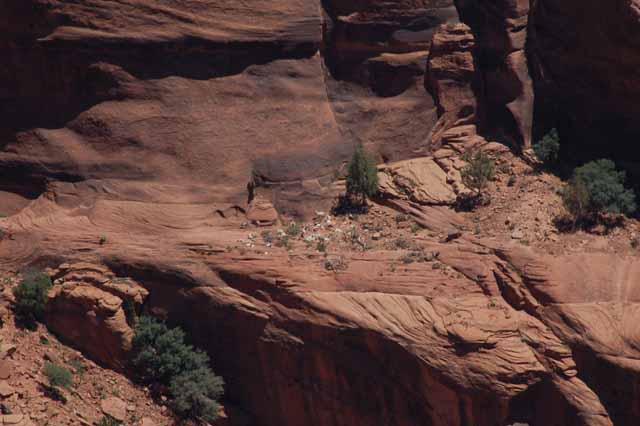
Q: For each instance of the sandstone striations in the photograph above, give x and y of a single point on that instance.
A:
(142, 140)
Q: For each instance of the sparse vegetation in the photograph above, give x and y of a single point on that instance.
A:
(597, 188)
(335, 264)
(77, 366)
(575, 198)
(477, 174)
(31, 297)
(401, 217)
(357, 241)
(108, 421)
(131, 315)
(284, 241)
(293, 229)
(267, 237)
(362, 177)
(415, 228)
(58, 376)
(418, 255)
(547, 150)
(161, 356)
(401, 244)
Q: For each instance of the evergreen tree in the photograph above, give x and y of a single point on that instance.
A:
(548, 149)
(479, 172)
(362, 178)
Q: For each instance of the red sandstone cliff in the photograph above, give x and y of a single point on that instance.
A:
(143, 121)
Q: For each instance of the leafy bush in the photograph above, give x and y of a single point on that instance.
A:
(596, 188)
(575, 197)
(477, 174)
(362, 177)
(548, 149)
(162, 356)
(58, 376)
(195, 394)
(31, 297)
(161, 353)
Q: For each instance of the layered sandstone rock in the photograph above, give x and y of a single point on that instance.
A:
(143, 121)
(506, 90)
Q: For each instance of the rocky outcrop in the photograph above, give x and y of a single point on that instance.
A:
(506, 89)
(451, 78)
(132, 157)
(490, 335)
(86, 308)
(420, 180)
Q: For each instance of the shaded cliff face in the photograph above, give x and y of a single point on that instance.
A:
(551, 63)
(585, 67)
(195, 92)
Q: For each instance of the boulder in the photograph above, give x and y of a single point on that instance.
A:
(6, 390)
(420, 180)
(262, 213)
(92, 320)
(114, 407)
(6, 369)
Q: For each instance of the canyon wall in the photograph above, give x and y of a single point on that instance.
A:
(144, 120)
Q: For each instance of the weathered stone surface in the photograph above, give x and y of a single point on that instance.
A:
(451, 77)
(6, 390)
(506, 91)
(420, 180)
(153, 116)
(6, 369)
(262, 213)
(114, 407)
(91, 319)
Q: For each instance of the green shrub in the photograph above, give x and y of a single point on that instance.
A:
(161, 353)
(575, 197)
(596, 188)
(108, 421)
(195, 394)
(162, 356)
(362, 177)
(401, 217)
(130, 313)
(477, 174)
(293, 229)
(267, 237)
(284, 241)
(58, 376)
(31, 297)
(548, 149)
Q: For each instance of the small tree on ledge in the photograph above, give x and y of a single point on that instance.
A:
(362, 177)
(477, 174)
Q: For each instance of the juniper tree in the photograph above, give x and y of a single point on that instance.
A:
(362, 177)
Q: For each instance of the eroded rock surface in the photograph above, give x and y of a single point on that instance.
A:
(129, 161)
